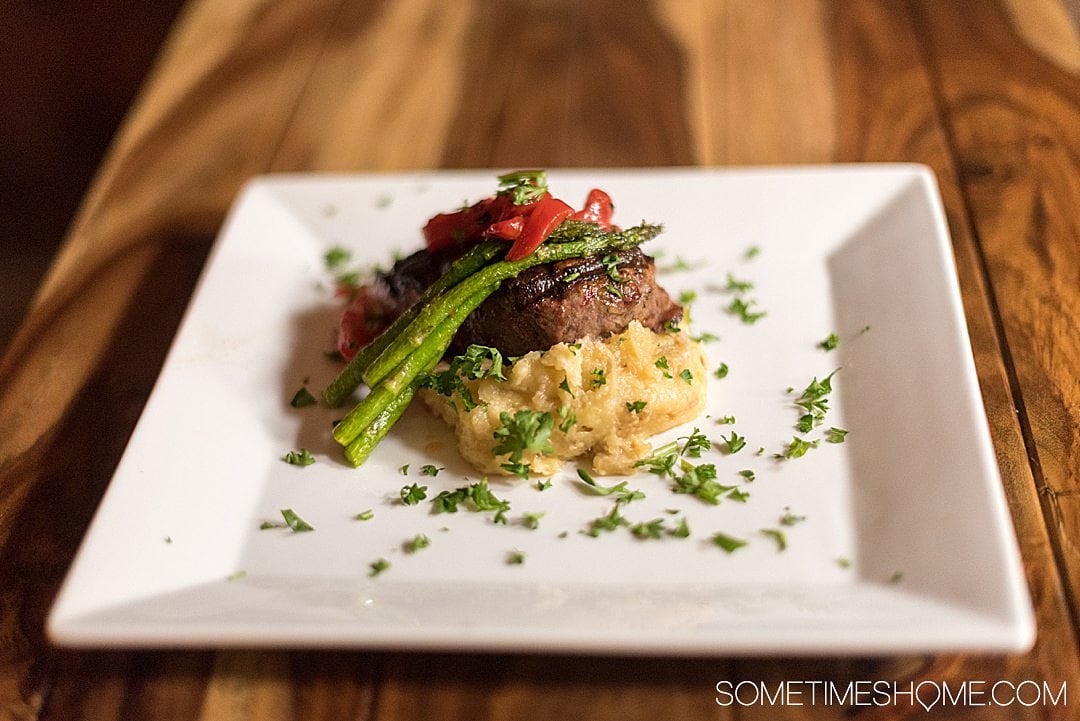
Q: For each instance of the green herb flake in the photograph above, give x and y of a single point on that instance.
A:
(336, 257)
(636, 407)
(729, 544)
(687, 376)
(835, 435)
(412, 495)
(416, 543)
(662, 364)
(706, 337)
(524, 187)
(681, 530)
(752, 252)
(790, 519)
(295, 522)
(515, 558)
(567, 418)
(565, 386)
(302, 398)
(364, 515)
(378, 567)
(648, 529)
(404, 470)
(614, 290)
(611, 265)
(608, 522)
(236, 576)
(430, 470)
(830, 342)
(597, 488)
(737, 286)
(476, 362)
(843, 562)
(687, 296)
(748, 475)
(543, 485)
(735, 443)
(532, 520)
(777, 535)
(302, 457)
(741, 308)
(797, 448)
(448, 501)
(599, 378)
(725, 420)
(722, 371)
(526, 430)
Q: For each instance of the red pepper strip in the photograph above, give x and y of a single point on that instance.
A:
(547, 214)
(509, 229)
(598, 209)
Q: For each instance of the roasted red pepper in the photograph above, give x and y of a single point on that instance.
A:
(598, 209)
(547, 215)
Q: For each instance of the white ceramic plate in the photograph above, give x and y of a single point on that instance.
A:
(911, 502)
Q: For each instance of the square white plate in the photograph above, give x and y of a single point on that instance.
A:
(906, 544)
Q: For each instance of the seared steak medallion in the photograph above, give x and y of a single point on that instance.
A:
(548, 304)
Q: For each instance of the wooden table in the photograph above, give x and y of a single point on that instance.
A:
(986, 92)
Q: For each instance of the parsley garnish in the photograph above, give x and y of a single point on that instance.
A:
(748, 475)
(525, 186)
(378, 567)
(599, 378)
(700, 481)
(741, 308)
(532, 520)
(302, 457)
(835, 435)
(751, 252)
(336, 257)
(722, 371)
(302, 398)
(798, 447)
(614, 290)
(236, 576)
(649, 529)
(411, 495)
(404, 470)
(365, 515)
(737, 286)
(830, 342)
(682, 530)
(729, 544)
(815, 402)
(430, 470)
(565, 385)
(295, 522)
(662, 364)
(611, 265)
(478, 361)
(706, 337)
(790, 519)
(567, 418)
(636, 407)
(663, 459)
(596, 487)
(515, 558)
(777, 535)
(526, 430)
(687, 376)
(543, 485)
(726, 420)
(687, 296)
(735, 443)
(608, 522)
(416, 543)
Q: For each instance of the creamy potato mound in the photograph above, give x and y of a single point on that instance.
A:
(603, 377)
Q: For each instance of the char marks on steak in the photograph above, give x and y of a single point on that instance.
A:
(547, 304)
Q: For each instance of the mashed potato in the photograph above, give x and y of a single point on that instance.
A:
(617, 391)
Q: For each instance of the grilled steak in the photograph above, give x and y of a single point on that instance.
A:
(549, 304)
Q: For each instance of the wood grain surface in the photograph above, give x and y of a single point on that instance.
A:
(985, 92)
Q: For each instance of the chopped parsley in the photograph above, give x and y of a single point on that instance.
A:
(722, 371)
(412, 495)
(729, 544)
(648, 529)
(700, 481)
(777, 535)
(636, 407)
(404, 470)
(531, 520)
(752, 252)
(706, 337)
(364, 515)
(515, 558)
(599, 378)
(682, 530)
(302, 398)
(416, 543)
(567, 418)
(597, 488)
(687, 376)
(611, 265)
(302, 457)
(835, 435)
(687, 296)
(543, 485)
(830, 342)
(565, 385)
(790, 519)
(741, 308)
(336, 257)
(725, 420)
(798, 447)
(478, 361)
(662, 364)
(843, 562)
(735, 443)
(236, 575)
(748, 475)
(608, 522)
(294, 522)
(430, 470)
(663, 459)
(526, 430)
(378, 567)
(524, 186)
(737, 286)
(614, 290)
(815, 402)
